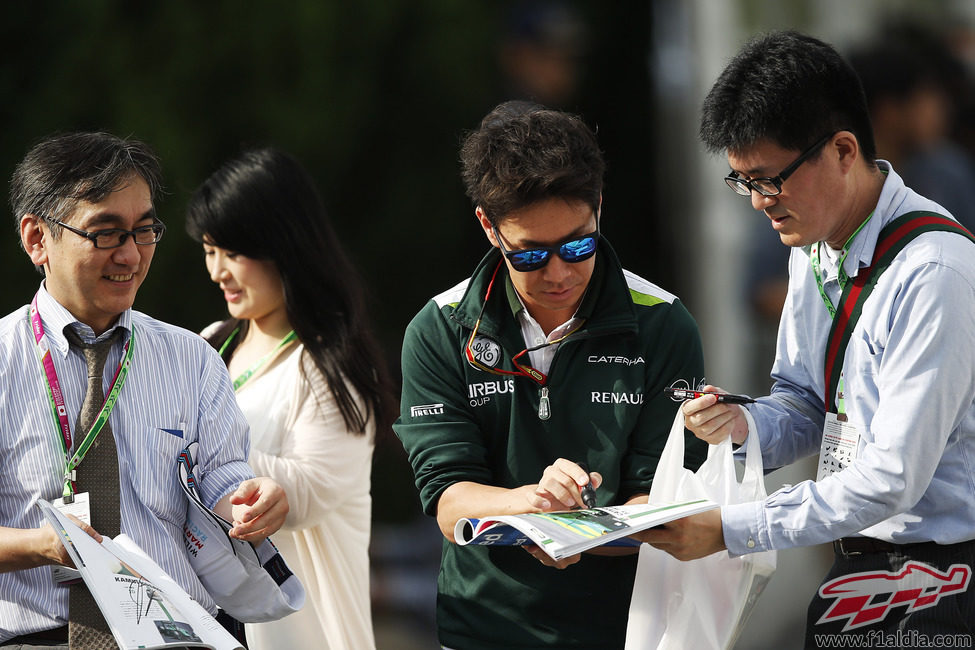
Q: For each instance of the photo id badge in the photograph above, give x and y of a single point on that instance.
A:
(79, 507)
(840, 442)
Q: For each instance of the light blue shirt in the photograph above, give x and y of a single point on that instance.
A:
(177, 391)
(909, 375)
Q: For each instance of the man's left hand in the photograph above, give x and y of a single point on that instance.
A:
(545, 559)
(259, 506)
(688, 538)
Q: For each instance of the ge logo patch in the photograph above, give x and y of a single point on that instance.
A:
(486, 351)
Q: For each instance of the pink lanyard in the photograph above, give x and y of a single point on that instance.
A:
(56, 397)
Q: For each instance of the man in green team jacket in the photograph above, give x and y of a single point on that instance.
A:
(548, 359)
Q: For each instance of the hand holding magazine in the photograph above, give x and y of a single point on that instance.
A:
(568, 532)
(142, 605)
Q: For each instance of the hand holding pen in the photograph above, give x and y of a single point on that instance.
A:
(565, 485)
(713, 419)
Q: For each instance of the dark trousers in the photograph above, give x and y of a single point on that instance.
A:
(58, 638)
(232, 625)
(48, 639)
(904, 596)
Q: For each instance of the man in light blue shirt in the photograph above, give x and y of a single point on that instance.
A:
(83, 204)
(875, 366)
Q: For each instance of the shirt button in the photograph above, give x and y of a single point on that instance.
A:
(539, 340)
(750, 543)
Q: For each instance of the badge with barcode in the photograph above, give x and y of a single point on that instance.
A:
(80, 508)
(840, 442)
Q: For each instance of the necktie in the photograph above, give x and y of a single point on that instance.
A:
(98, 475)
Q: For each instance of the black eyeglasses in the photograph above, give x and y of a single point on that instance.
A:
(573, 250)
(115, 237)
(773, 186)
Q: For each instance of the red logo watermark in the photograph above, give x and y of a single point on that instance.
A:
(865, 598)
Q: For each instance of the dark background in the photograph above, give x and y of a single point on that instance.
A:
(373, 97)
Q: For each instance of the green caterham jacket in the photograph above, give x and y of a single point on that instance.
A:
(606, 407)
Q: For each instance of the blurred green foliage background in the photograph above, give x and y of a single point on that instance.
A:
(373, 97)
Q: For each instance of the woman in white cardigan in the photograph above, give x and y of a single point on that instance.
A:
(309, 378)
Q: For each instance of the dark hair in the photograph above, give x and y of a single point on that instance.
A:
(789, 88)
(523, 153)
(263, 204)
(64, 169)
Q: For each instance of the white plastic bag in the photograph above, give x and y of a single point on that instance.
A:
(702, 604)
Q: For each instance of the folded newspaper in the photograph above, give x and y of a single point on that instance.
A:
(251, 583)
(143, 606)
(565, 533)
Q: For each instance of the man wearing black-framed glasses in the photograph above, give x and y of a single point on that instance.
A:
(550, 357)
(116, 237)
(99, 399)
(875, 363)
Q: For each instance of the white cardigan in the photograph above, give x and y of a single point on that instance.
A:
(299, 439)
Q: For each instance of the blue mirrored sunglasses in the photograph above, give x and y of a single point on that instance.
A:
(574, 250)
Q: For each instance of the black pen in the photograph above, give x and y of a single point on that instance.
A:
(587, 490)
(678, 394)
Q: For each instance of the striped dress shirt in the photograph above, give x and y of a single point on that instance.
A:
(177, 392)
(909, 388)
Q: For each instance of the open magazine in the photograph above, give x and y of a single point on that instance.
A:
(567, 532)
(142, 605)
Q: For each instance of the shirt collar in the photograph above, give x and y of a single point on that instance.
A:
(520, 311)
(55, 318)
(862, 248)
(526, 320)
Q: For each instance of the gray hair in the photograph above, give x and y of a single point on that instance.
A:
(62, 170)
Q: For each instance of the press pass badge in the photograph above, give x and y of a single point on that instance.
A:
(80, 508)
(841, 440)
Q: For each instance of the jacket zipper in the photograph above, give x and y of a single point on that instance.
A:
(544, 405)
(544, 408)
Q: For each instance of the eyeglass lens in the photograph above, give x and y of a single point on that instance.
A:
(114, 238)
(763, 186)
(773, 186)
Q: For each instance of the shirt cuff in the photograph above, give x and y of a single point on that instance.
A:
(223, 480)
(744, 529)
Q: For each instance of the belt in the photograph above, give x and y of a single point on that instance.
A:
(847, 546)
(56, 634)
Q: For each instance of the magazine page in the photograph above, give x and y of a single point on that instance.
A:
(251, 583)
(143, 606)
(567, 532)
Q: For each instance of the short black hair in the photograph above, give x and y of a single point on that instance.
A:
(63, 169)
(524, 153)
(789, 88)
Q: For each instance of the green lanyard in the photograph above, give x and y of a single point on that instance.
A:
(244, 376)
(843, 279)
(841, 273)
(102, 417)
